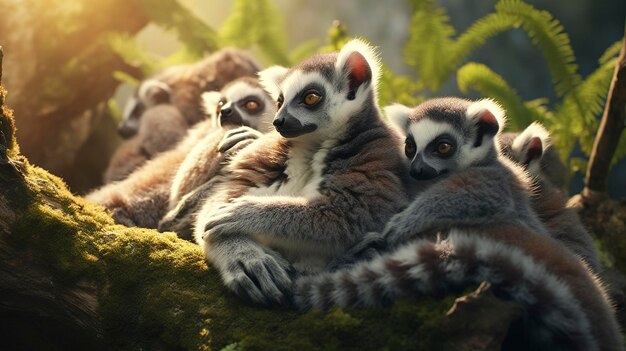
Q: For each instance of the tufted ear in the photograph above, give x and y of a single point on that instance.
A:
(529, 147)
(398, 115)
(210, 102)
(488, 117)
(154, 92)
(359, 63)
(271, 77)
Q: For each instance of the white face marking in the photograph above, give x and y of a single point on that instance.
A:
(426, 130)
(240, 90)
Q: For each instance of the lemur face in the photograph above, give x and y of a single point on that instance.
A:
(448, 134)
(150, 93)
(322, 92)
(242, 102)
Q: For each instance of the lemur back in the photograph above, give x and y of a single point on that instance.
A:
(143, 198)
(307, 192)
(473, 222)
(530, 148)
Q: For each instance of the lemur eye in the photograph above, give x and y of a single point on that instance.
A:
(251, 105)
(220, 104)
(311, 99)
(444, 148)
(279, 102)
(409, 148)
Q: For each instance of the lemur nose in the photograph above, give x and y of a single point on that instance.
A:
(279, 122)
(227, 112)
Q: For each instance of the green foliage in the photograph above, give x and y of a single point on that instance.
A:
(481, 78)
(198, 38)
(257, 23)
(7, 127)
(434, 52)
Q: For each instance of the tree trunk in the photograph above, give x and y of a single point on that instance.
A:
(607, 138)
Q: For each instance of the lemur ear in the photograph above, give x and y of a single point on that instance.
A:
(210, 101)
(398, 115)
(358, 62)
(271, 77)
(530, 146)
(154, 92)
(488, 117)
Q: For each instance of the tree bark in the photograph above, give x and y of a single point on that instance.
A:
(609, 132)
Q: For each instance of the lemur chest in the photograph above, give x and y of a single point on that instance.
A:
(304, 174)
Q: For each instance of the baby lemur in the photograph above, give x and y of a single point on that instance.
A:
(530, 148)
(473, 222)
(303, 195)
(143, 198)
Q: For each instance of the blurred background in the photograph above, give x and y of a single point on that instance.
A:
(70, 65)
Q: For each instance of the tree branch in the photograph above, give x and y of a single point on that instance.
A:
(611, 127)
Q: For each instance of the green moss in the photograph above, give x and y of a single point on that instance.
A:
(154, 286)
(7, 126)
(608, 222)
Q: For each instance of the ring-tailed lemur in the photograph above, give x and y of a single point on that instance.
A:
(182, 86)
(473, 222)
(160, 127)
(314, 188)
(530, 149)
(248, 105)
(143, 198)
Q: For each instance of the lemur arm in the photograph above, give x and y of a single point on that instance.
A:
(340, 215)
(474, 197)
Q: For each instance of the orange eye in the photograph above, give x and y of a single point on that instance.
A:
(219, 106)
(444, 148)
(311, 99)
(279, 102)
(409, 148)
(251, 105)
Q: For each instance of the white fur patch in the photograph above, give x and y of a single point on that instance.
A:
(490, 105)
(426, 130)
(269, 78)
(210, 100)
(144, 90)
(521, 143)
(365, 49)
(398, 115)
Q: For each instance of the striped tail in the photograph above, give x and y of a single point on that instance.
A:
(555, 316)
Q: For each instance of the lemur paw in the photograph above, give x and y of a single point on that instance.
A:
(239, 137)
(262, 277)
(121, 217)
(366, 249)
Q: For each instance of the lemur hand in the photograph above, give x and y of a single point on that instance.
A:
(239, 137)
(253, 272)
(366, 249)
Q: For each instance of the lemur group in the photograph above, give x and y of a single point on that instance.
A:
(303, 192)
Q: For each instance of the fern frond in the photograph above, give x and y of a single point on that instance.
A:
(611, 52)
(398, 89)
(476, 76)
(478, 33)
(429, 43)
(548, 35)
(256, 22)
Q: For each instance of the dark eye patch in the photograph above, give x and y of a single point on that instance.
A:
(245, 103)
(312, 88)
(443, 146)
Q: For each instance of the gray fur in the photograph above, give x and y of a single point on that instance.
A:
(550, 202)
(308, 195)
(144, 197)
(471, 225)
